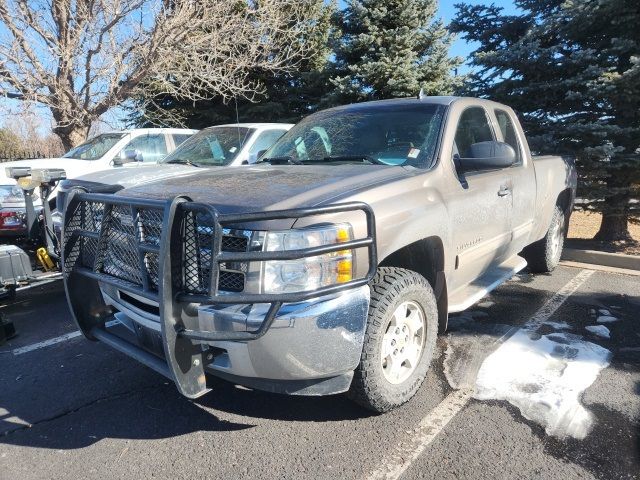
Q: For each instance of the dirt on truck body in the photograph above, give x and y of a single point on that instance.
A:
(331, 265)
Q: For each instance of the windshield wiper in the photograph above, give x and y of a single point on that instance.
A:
(281, 160)
(351, 158)
(183, 161)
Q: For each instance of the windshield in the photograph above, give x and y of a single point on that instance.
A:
(217, 146)
(389, 134)
(95, 148)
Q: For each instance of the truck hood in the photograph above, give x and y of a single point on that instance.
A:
(72, 167)
(143, 174)
(268, 187)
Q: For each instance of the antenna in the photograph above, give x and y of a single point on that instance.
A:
(421, 94)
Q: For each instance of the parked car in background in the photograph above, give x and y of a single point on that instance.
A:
(12, 211)
(108, 150)
(219, 146)
(332, 264)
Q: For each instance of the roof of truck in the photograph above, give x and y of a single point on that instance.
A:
(432, 100)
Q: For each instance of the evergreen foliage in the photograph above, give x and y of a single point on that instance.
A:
(391, 48)
(572, 70)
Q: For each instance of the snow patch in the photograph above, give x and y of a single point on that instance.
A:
(599, 330)
(607, 319)
(544, 376)
(557, 325)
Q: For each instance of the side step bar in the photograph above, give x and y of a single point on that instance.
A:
(471, 294)
(133, 351)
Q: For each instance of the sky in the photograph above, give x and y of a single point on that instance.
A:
(447, 12)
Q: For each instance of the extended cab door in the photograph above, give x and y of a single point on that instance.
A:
(523, 179)
(479, 204)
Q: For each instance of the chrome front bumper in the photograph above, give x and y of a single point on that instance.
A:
(308, 342)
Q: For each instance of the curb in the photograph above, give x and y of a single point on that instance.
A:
(615, 260)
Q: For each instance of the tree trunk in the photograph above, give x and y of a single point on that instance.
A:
(72, 136)
(614, 227)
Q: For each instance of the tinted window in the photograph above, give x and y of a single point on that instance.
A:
(508, 132)
(95, 148)
(215, 146)
(265, 140)
(152, 147)
(180, 138)
(473, 127)
(405, 134)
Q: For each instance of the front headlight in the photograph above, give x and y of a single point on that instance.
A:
(286, 276)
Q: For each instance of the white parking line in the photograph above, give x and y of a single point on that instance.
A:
(53, 341)
(407, 451)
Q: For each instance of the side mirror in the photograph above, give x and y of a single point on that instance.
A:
(128, 156)
(488, 156)
(254, 157)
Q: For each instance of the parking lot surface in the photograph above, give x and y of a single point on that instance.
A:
(526, 384)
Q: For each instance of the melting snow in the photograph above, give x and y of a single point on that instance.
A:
(599, 330)
(558, 325)
(544, 376)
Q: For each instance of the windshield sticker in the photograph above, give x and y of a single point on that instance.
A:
(413, 153)
(233, 150)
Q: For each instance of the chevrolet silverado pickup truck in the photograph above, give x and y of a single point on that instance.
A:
(329, 266)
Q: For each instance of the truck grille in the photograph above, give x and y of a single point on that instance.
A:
(118, 235)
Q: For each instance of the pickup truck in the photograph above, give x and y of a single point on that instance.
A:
(107, 150)
(329, 266)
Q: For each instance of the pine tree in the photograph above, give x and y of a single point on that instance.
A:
(391, 48)
(572, 69)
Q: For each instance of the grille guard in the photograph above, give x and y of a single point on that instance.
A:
(182, 346)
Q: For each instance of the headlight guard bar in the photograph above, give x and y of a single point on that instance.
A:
(178, 339)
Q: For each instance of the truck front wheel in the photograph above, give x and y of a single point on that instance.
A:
(399, 342)
(544, 255)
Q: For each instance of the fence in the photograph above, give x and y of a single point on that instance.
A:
(10, 156)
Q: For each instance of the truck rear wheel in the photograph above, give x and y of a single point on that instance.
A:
(399, 341)
(544, 255)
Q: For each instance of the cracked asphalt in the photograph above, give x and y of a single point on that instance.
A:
(76, 409)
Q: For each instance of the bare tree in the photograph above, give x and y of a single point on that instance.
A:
(81, 58)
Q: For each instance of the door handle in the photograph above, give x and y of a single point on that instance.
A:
(504, 191)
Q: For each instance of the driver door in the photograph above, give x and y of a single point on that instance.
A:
(479, 205)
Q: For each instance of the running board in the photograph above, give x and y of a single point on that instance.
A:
(491, 279)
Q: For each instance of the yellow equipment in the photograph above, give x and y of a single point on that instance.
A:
(45, 259)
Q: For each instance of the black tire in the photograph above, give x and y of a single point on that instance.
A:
(544, 255)
(389, 289)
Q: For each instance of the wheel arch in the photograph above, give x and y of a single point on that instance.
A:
(565, 202)
(427, 258)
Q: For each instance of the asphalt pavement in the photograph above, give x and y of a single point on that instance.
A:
(70, 408)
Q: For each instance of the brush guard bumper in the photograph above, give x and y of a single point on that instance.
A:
(88, 234)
